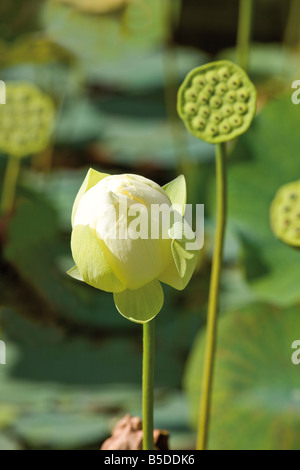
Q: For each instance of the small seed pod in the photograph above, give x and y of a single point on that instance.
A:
(226, 101)
(26, 120)
(285, 214)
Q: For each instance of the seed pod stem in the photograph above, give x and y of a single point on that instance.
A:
(244, 32)
(9, 185)
(213, 302)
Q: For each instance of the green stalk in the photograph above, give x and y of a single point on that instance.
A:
(171, 10)
(244, 32)
(148, 384)
(9, 184)
(292, 32)
(213, 303)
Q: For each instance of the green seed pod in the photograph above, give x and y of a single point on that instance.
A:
(226, 100)
(26, 120)
(285, 214)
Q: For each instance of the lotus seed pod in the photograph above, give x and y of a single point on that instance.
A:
(285, 214)
(226, 100)
(26, 120)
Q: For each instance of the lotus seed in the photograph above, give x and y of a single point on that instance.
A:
(227, 110)
(236, 121)
(199, 81)
(209, 90)
(230, 97)
(234, 82)
(212, 77)
(203, 98)
(221, 89)
(240, 108)
(215, 102)
(212, 131)
(243, 94)
(204, 111)
(224, 74)
(198, 123)
(191, 94)
(190, 109)
(216, 118)
(225, 127)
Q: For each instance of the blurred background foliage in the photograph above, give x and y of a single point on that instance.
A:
(112, 68)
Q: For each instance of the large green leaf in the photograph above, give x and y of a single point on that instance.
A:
(142, 71)
(264, 159)
(256, 401)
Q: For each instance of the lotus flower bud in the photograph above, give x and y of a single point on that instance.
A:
(125, 240)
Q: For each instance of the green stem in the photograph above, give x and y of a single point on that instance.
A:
(148, 384)
(213, 303)
(292, 33)
(244, 32)
(170, 10)
(10, 184)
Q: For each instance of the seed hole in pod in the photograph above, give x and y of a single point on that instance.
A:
(215, 102)
(293, 196)
(212, 77)
(227, 110)
(224, 73)
(286, 222)
(199, 123)
(234, 82)
(230, 97)
(287, 209)
(199, 81)
(212, 130)
(243, 94)
(204, 111)
(191, 94)
(190, 109)
(225, 127)
(236, 120)
(240, 108)
(221, 89)
(216, 118)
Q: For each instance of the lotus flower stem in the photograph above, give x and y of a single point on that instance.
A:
(244, 32)
(148, 384)
(9, 184)
(213, 302)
